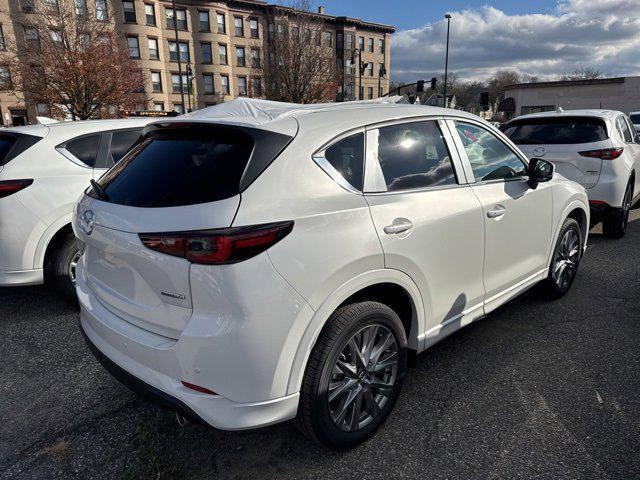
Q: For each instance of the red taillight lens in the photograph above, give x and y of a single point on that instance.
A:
(219, 247)
(604, 154)
(9, 187)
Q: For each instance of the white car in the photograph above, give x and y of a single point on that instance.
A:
(278, 264)
(43, 170)
(599, 149)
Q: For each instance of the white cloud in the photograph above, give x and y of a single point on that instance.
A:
(602, 33)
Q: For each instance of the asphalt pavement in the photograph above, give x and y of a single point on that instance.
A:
(538, 389)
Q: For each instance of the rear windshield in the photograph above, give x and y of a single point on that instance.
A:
(184, 166)
(556, 131)
(6, 142)
(635, 118)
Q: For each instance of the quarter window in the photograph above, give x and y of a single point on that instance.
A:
(85, 149)
(490, 158)
(121, 143)
(412, 156)
(343, 161)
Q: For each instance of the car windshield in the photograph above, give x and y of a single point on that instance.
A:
(556, 131)
(635, 118)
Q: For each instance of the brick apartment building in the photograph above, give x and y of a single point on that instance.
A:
(223, 41)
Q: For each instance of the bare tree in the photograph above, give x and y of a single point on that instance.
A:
(77, 62)
(299, 65)
(498, 81)
(583, 72)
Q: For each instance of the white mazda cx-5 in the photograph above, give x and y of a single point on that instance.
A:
(258, 262)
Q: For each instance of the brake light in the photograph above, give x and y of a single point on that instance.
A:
(218, 247)
(603, 154)
(9, 187)
(198, 388)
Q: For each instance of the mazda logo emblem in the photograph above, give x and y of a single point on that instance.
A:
(87, 222)
(539, 152)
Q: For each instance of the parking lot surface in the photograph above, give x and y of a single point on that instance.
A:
(536, 390)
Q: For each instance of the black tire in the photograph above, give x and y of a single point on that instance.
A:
(57, 268)
(314, 416)
(552, 287)
(615, 224)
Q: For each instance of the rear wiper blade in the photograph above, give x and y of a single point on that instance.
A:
(102, 195)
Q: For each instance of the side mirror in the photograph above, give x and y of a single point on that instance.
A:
(539, 171)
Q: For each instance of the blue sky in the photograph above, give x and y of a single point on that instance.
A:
(406, 14)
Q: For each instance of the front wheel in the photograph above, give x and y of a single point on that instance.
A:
(60, 270)
(615, 225)
(565, 260)
(354, 375)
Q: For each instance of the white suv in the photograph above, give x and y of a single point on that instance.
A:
(600, 149)
(250, 270)
(43, 169)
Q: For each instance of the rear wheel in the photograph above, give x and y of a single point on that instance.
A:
(565, 260)
(60, 270)
(615, 225)
(354, 375)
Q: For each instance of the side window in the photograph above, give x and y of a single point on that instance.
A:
(490, 158)
(413, 155)
(623, 129)
(346, 159)
(85, 148)
(121, 143)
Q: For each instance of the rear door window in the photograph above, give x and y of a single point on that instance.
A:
(184, 166)
(556, 131)
(413, 155)
(623, 129)
(121, 143)
(85, 148)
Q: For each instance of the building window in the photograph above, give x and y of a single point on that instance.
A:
(370, 45)
(134, 47)
(150, 14)
(238, 24)
(129, 9)
(3, 45)
(255, 58)
(184, 51)
(369, 92)
(295, 32)
(348, 66)
(51, 4)
(348, 39)
(280, 29)
(158, 106)
(101, 10)
(203, 19)
(156, 82)
(5, 77)
(208, 84)
(56, 36)
(361, 43)
(329, 39)
(153, 49)
(256, 86)
(175, 83)
(81, 8)
(42, 109)
(180, 16)
(224, 82)
(222, 52)
(178, 107)
(242, 86)
(240, 59)
(370, 69)
(27, 6)
(32, 37)
(381, 70)
(207, 56)
(222, 24)
(253, 26)
(381, 46)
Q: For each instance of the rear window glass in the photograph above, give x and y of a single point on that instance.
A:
(556, 131)
(85, 149)
(6, 143)
(180, 167)
(635, 118)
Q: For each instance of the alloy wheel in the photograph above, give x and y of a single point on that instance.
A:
(363, 377)
(72, 267)
(566, 259)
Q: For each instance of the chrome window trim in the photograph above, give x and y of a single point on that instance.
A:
(70, 156)
(320, 159)
(463, 152)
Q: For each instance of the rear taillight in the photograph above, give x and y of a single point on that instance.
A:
(9, 187)
(604, 153)
(218, 247)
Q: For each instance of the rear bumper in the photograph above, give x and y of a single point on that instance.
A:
(21, 278)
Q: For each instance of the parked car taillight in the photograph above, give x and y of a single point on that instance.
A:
(9, 187)
(218, 247)
(604, 154)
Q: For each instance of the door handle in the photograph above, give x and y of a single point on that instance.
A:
(497, 211)
(399, 225)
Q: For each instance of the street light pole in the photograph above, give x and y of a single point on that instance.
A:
(446, 60)
(175, 30)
